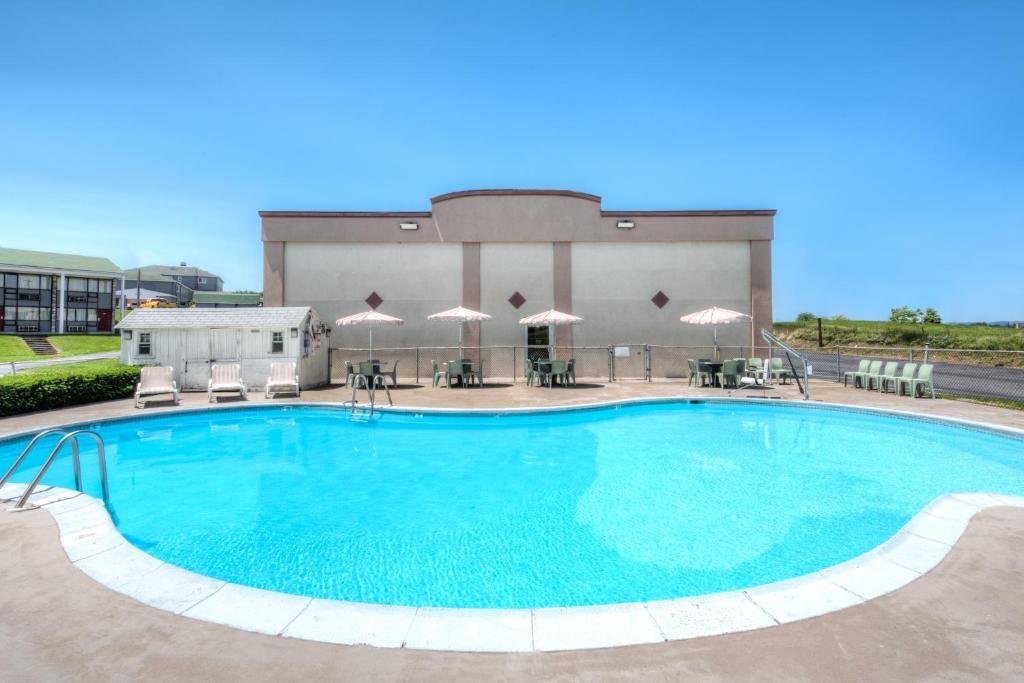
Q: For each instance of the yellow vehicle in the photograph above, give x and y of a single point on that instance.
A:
(157, 303)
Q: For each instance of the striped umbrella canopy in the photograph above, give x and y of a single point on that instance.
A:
(716, 316)
(459, 315)
(551, 318)
(370, 319)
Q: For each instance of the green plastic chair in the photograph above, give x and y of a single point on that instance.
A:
(862, 369)
(779, 371)
(875, 372)
(570, 373)
(905, 378)
(755, 367)
(349, 372)
(888, 375)
(874, 368)
(393, 374)
(729, 377)
(923, 379)
(559, 370)
(439, 374)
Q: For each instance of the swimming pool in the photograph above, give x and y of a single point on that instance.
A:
(631, 503)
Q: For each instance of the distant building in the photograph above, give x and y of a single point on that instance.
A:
(227, 299)
(179, 281)
(49, 293)
(1017, 324)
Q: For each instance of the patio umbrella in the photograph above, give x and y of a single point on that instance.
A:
(459, 315)
(716, 316)
(370, 319)
(551, 318)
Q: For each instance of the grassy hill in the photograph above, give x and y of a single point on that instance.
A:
(12, 348)
(884, 333)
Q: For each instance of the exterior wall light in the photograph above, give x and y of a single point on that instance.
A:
(409, 226)
(128, 335)
(295, 332)
(626, 224)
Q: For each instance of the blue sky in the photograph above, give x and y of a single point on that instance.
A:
(888, 135)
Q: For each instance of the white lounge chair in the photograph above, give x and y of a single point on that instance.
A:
(226, 377)
(283, 380)
(154, 381)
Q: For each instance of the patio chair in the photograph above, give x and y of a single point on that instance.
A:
(875, 372)
(559, 370)
(454, 369)
(438, 373)
(905, 379)
(755, 367)
(888, 372)
(923, 379)
(779, 371)
(154, 381)
(729, 377)
(570, 372)
(855, 375)
(226, 377)
(350, 372)
(283, 379)
(891, 376)
(697, 376)
(392, 373)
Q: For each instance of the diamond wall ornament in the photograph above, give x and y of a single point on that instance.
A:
(659, 299)
(374, 300)
(517, 300)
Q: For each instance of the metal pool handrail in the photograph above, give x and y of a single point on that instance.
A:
(29, 447)
(73, 437)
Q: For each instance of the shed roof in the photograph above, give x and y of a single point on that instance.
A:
(55, 261)
(205, 318)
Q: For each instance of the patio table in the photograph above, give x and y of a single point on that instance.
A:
(712, 367)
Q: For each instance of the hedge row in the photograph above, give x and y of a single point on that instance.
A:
(30, 392)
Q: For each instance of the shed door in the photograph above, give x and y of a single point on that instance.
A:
(195, 359)
(225, 346)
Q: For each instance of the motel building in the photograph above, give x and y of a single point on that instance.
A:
(630, 274)
(47, 293)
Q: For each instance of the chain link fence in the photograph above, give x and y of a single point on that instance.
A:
(622, 362)
(992, 376)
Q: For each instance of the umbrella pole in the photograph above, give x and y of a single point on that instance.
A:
(371, 344)
(551, 342)
(461, 325)
(718, 354)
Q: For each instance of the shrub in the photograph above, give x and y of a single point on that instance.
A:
(905, 314)
(932, 317)
(69, 386)
(805, 317)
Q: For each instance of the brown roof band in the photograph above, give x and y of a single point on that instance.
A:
(345, 214)
(698, 212)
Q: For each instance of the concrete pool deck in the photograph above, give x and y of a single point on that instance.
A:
(992, 631)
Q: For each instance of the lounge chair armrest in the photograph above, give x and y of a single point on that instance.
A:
(174, 384)
(209, 383)
(138, 387)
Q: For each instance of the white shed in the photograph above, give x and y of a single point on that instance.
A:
(191, 339)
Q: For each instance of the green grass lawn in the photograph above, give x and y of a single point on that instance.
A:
(65, 369)
(12, 348)
(884, 333)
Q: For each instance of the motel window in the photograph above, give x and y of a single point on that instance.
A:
(145, 344)
(105, 286)
(94, 286)
(28, 282)
(77, 284)
(202, 280)
(77, 298)
(11, 280)
(277, 342)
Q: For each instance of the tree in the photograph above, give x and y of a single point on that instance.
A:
(932, 316)
(839, 317)
(905, 314)
(805, 317)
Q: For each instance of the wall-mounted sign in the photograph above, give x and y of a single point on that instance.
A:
(622, 352)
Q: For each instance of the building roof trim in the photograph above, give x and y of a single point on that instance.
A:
(345, 214)
(691, 212)
(537, 192)
(221, 318)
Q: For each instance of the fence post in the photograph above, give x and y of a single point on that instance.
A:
(839, 366)
(611, 364)
(647, 362)
(926, 353)
(911, 356)
(513, 365)
(417, 365)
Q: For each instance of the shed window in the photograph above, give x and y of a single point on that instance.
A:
(277, 342)
(145, 344)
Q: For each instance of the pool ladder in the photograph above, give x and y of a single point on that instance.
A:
(65, 437)
(371, 389)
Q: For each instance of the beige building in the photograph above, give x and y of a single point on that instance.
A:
(512, 253)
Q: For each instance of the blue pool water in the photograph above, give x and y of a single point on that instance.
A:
(639, 502)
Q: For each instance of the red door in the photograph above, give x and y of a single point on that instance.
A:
(103, 320)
